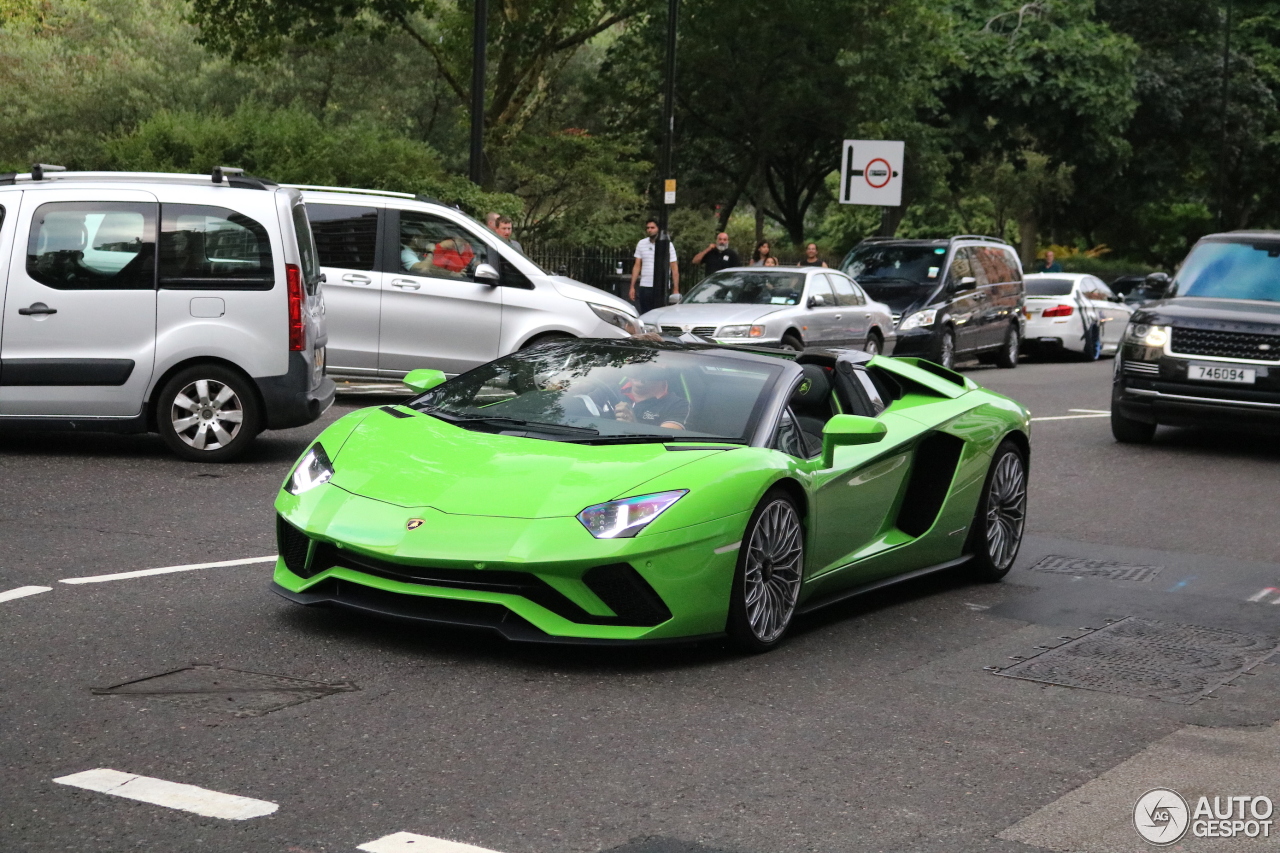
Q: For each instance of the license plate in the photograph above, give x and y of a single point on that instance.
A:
(1219, 373)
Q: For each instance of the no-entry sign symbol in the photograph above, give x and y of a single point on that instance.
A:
(871, 172)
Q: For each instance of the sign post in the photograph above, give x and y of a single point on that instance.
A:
(871, 172)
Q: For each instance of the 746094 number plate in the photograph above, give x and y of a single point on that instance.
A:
(1221, 373)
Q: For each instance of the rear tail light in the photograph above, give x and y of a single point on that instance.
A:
(297, 331)
(1058, 311)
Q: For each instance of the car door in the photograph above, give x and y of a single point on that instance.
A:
(347, 239)
(853, 321)
(1113, 315)
(434, 314)
(79, 327)
(822, 315)
(966, 299)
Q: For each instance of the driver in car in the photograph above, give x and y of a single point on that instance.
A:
(655, 399)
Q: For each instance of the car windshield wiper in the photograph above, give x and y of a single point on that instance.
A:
(659, 439)
(501, 419)
(885, 278)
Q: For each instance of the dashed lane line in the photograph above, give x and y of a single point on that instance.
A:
(142, 573)
(172, 795)
(23, 592)
(407, 842)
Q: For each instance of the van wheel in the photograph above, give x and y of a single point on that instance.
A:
(947, 349)
(549, 338)
(208, 413)
(1007, 357)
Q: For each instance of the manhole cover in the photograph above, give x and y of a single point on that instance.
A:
(1148, 659)
(235, 691)
(1109, 569)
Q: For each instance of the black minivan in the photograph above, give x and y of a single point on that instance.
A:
(1208, 351)
(954, 297)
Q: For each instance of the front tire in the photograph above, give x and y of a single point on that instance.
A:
(766, 585)
(791, 343)
(947, 349)
(1129, 431)
(996, 534)
(207, 413)
(874, 344)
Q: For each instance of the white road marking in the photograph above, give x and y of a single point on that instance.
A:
(1258, 596)
(407, 842)
(727, 548)
(142, 573)
(23, 592)
(1090, 411)
(1074, 417)
(173, 795)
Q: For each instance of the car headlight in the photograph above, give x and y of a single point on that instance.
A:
(653, 328)
(315, 469)
(1147, 335)
(625, 322)
(625, 518)
(919, 320)
(741, 332)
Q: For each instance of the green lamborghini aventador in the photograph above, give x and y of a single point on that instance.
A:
(627, 491)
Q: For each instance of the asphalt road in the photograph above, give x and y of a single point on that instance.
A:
(875, 728)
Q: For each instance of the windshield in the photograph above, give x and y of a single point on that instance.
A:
(887, 264)
(606, 393)
(1232, 271)
(1048, 286)
(744, 287)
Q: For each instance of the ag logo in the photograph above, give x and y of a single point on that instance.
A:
(414, 523)
(1161, 816)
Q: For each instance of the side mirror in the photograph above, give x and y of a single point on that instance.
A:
(486, 274)
(674, 299)
(423, 380)
(816, 301)
(1157, 283)
(844, 430)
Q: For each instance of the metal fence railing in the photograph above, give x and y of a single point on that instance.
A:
(606, 268)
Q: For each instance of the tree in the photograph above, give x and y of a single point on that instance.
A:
(529, 40)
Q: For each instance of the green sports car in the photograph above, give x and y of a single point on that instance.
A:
(626, 491)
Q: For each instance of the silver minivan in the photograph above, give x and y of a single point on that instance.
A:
(414, 283)
(187, 305)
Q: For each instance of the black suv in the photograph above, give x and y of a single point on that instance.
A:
(1208, 351)
(950, 297)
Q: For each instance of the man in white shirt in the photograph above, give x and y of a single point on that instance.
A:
(646, 298)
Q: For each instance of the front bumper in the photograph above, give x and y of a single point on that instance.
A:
(1158, 391)
(917, 343)
(532, 580)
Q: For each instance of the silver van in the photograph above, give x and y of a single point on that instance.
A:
(412, 283)
(187, 305)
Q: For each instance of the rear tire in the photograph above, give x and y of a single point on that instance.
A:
(766, 585)
(1007, 357)
(996, 534)
(208, 413)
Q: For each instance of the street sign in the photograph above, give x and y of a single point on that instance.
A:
(669, 192)
(871, 172)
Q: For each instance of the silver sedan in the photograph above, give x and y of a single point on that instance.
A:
(787, 307)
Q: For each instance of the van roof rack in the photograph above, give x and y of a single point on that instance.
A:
(979, 237)
(316, 188)
(232, 176)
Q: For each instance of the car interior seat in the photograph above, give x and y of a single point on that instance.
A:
(811, 401)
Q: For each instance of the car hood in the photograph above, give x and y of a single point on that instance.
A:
(711, 315)
(902, 299)
(1227, 315)
(571, 289)
(421, 461)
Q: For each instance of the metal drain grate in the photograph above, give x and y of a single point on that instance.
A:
(237, 691)
(1148, 659)
(1109, 569)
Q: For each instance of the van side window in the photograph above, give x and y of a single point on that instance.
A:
(213, 248)
(306, 248)
(93, 246)
(346, 236)
(962, 266)
(436, 247)
(1015, 266)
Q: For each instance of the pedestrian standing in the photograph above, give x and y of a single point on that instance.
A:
(718, 255)
(761, 255)
(811, 258)
(491, 220)
(1050, 263)
(504, 228)
(643, 293)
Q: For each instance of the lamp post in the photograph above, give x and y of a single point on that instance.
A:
(662, 250)
(1226, 96)
(479, 37)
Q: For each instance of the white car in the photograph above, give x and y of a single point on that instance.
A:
(414, 283)
(1075, 312)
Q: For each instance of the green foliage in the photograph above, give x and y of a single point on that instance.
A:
(293, 146)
